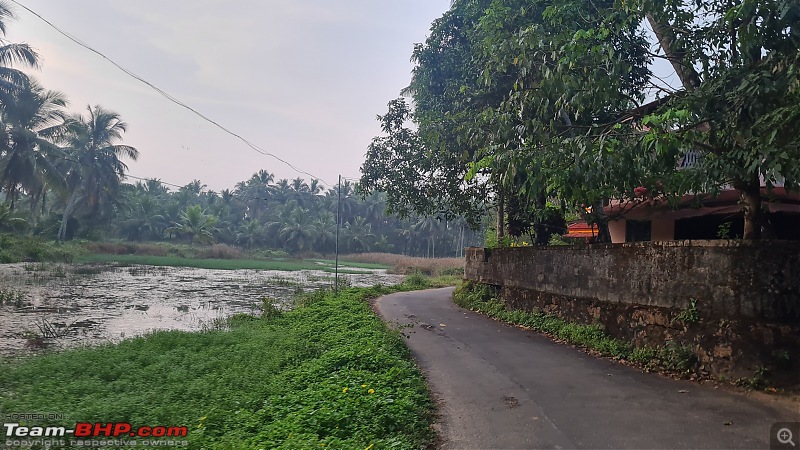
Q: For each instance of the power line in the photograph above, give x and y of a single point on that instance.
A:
(166, 94)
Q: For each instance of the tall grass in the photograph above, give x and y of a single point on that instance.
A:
(409, 264)
(328, 374)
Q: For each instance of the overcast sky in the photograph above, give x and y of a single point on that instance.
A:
(303, 79)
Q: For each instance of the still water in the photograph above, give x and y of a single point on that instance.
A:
(59, 306)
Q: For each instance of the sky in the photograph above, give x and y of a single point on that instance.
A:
(301, 79)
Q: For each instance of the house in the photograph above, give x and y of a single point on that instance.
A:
(703, 216)
(580, 230)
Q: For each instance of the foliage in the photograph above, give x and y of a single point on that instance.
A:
(352, 386)
(15, 248)
(673, 356)
(557, 99)
(691, 314)
(62, 177)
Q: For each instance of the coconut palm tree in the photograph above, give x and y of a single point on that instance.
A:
(29, 126)
(296, 231)
(97, 170)
(12, 81)
(142, 219)
(195, 224)
(357, 235)
(251, 234)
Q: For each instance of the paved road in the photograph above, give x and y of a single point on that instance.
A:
(503, 387)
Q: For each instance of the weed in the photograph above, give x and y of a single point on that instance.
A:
(12, 297)
(58, 272)
(270, 309)
(690, 315)
(483, 298)
(282, 281)
(34, 267)
(724, 231)
(759, 380)
(49, 330)
(677, 358)
(417, 281)
(645, 356)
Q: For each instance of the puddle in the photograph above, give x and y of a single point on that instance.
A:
(61, 306)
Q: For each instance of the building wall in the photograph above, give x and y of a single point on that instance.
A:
(663, 230)
(617, 230)
(747, 294)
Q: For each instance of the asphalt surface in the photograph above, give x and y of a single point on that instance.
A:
(502, 387)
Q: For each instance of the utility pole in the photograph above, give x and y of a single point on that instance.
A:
(338, 221)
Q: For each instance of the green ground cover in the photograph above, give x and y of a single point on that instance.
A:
(328, 374)
(284, 264)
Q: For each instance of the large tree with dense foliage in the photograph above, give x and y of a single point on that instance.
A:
(558, 98)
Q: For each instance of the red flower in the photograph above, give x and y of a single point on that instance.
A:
(640, 191)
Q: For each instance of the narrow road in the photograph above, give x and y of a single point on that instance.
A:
(501, 387)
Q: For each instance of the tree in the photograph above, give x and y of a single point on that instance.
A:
(740, 105)
(451, 165)
(737, 108)
(424, 170)
(97, 170)
(296, 231)
(142, 217)
(195, 224)
(29, 126)
(12, 81)
(251, 234)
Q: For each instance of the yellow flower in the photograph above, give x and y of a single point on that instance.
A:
(203, 418)
(371, 391)
(363, 385)
(344, 391)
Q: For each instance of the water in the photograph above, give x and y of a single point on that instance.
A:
(61, 306)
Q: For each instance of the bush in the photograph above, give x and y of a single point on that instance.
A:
(14, 248)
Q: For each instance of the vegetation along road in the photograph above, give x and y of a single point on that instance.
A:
(504, 387)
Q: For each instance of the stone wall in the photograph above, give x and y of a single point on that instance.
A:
(747, 295)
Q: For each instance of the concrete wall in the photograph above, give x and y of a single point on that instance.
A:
(747, 294)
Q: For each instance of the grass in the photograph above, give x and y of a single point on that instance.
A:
(326, 374)
(211, 263)
(673, 357)
(408, 264)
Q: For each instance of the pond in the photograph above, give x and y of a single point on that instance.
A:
(60, 306)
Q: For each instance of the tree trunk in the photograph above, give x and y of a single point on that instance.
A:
(68, 210)
(666, 38)
(753, 216)
(501, 216)
(603, 234)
